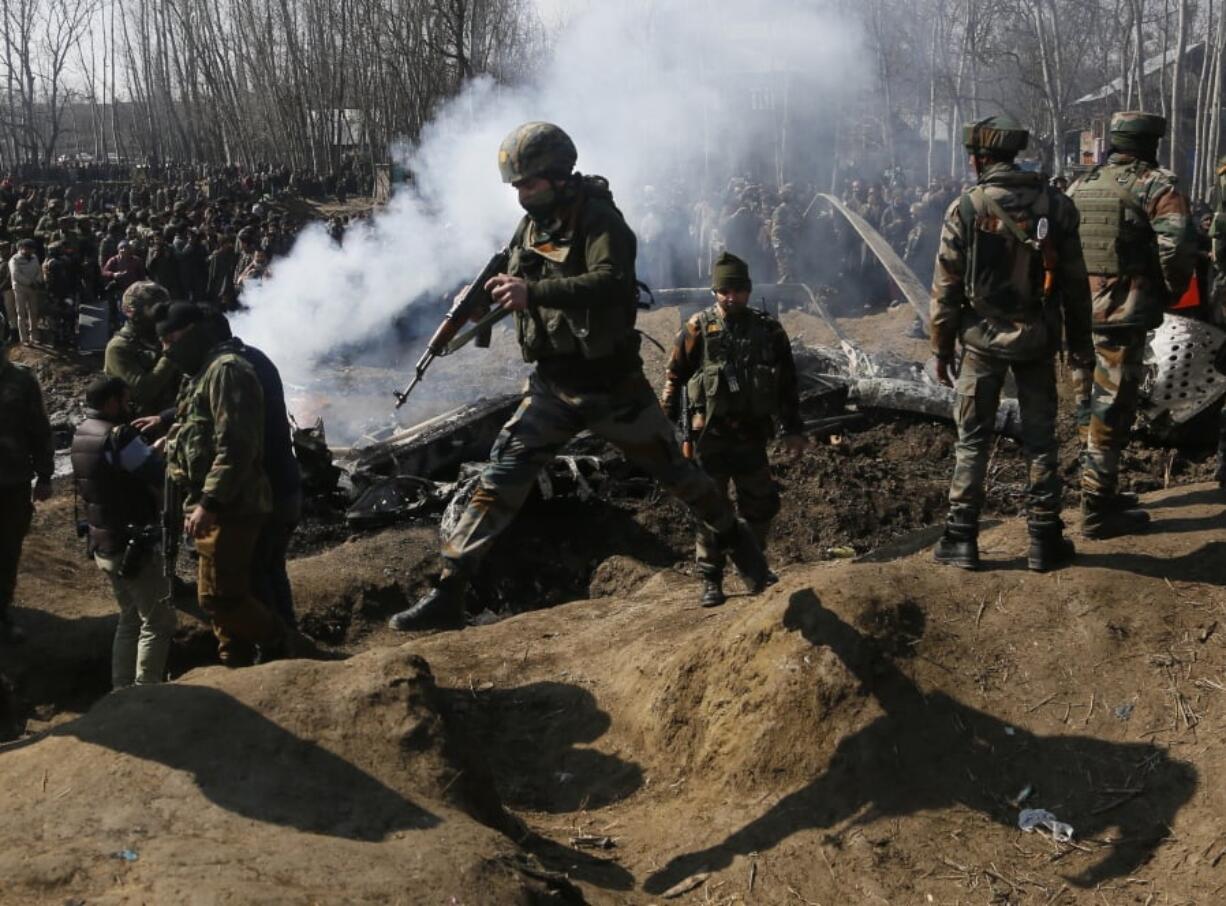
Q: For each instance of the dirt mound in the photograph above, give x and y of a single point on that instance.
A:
(304, 781)
(864, 730)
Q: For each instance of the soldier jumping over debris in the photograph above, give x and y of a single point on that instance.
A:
(571, 285)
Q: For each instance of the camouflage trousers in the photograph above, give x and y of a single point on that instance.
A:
(743, 464)
(628, 416)
(1105, 420)
(979, 387)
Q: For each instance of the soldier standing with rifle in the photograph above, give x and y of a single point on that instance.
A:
(733, 365)
(1009, 275)
(1140, 255)
(570, 282)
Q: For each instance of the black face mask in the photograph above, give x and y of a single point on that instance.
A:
(190, 350)
(541, 205)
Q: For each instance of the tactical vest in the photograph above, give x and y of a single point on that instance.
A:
(1116, 236)
(543, 332)
(739, 375)
(1004, 276)
(113, 498)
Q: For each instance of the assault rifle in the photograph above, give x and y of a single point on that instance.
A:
(172, 532)
(687, 424)
(472, 301)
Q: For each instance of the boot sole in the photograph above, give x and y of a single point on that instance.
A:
(718, 603)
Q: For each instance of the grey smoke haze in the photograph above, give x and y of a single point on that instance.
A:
(642, 87)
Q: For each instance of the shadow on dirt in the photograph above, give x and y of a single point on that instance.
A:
(1202, 565)
(533, 736)
(930, 752)
(248, 765)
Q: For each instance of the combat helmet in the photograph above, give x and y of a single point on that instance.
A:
(995, 133)
(536, 149)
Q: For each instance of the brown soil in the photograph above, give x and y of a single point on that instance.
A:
(856, 735)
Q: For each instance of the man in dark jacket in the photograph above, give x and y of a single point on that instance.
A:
(118, 478)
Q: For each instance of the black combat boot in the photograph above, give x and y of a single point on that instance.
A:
(712, 590)
(1099, 519)
(1049, 549)
(959, 544)
(747, 556)
(441, 608)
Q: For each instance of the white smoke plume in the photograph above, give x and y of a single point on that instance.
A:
(649, 91)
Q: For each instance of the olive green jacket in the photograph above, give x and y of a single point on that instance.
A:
(581, 286)
(151, 377)
(215, 449)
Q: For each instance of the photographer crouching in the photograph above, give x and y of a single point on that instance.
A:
(119, 477)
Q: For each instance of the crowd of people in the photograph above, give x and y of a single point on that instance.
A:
(205, 239)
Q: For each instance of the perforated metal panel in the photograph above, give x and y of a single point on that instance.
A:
(1182, 381)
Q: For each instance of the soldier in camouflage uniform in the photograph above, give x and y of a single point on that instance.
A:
(215, 454)
(26, 454)
(135, 356)
(735, 364)
(571, 284)
(1140, 255)
(1009, 276)
(787, 222)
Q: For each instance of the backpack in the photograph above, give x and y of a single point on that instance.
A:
(1010, 261)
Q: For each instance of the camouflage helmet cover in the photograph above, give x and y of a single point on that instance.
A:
(141, 297)
(995, 133)
(536, 149)
(1140, 125)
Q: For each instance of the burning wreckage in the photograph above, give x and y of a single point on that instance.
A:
(430, 469)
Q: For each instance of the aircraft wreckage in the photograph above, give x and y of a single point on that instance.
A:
(429, 469)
